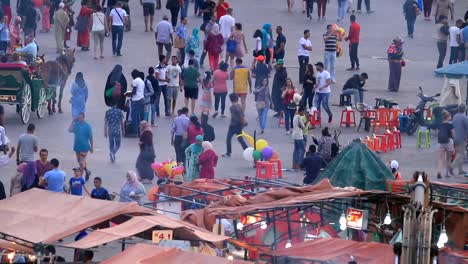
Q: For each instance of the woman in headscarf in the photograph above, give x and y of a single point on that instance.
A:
(193, 43)
(132, 190)
(15, 33)
(116, 80)
(79, 95)
(15, 186)
(192, 153)
(208, 161)
(29, 179)
(267, 42)
(279, 81)
(147, 155)
(214, 42)
(395, 61)
(82, 39)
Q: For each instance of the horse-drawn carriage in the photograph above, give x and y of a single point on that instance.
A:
(18, 86)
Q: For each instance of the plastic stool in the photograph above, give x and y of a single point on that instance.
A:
(427, 138)
(345, 100)
(281, 119)
(277, 168)
(397, 138)
(390, 140)
(346, 118)
(382, 143)
(369, 143)
(264, 170)
(408, 111)
(315, 119)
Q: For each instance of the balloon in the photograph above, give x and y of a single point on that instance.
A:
(267, 153)
(248, 154)
(275, 155)
(179, 170)
(168, 168)
(247, 137)
(159, 169)
(261, 144)
(297, 98)
(257, 155)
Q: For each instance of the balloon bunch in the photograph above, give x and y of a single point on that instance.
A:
(167, 168)
(340, 32)
(262, 150)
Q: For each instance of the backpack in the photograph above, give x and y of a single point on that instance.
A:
(231, 45)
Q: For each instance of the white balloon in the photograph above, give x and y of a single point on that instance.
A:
(248, 154)
(297, 98)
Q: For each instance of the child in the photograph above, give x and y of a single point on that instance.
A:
(191, 55)
(394, 166)
(77, 183)
(45, 16)
(99, 192)
(206, 102)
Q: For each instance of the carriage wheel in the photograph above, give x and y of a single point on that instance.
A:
(25, 107)
(42, 103)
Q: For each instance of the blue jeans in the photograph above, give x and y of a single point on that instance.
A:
(329, 61)
(114, 143)
(288, 117)
(137, 114)
(262, 117)
(322, 99)
(299, 150)
(410, 26)
(155, 106)
(117, 38)
(342, 5)
(184, 9)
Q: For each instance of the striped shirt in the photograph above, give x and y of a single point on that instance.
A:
(330, 43)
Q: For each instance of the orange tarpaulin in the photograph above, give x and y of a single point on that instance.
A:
(148, 254)
(340, 251)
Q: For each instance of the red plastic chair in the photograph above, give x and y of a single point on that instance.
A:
(277, 168)
(381, 141)
(393, 121)
(265, 170)
(389, 137)
(315, 119)
(381, 119)
(348, 118)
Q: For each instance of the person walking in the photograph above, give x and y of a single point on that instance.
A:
(147, 154)
(173, 6)
(464, 39)
(82, 26)
(54, 180)
(262, 103)
(61, 20)
(298, 137)
(116, 85)
(443, 8)
(181, 38)
(279, 81)
(27, 145)
(241, 78)
(226, 23)
(342, 7)
(206, 100)
(330, 38)
(367, 3)
(45, 16)
(213, 46)
(460, 125)
(260, 70)
(192, 154)
(79, 95)
(83, 142)
(148, 13)
(163, 78)
(191, 78)
(184, 8)
(179, 134)
(118, 18)
(4, 36)
(321, 9)
(174, 73)
(194, 129)
(288, 105)
(427, 7)
(240, 46)
(267, 43)
(238, 122)
(148, 96)
(395, 60)
(207, 160)
(222, 8)
(322, 90)
(353, 38)
(305, 47)
(99, 30)
(308, 87)
(455, 44)
(220, 90)
(442, 40)
(411, 11)
(113, 128)
(43, 164)
(192, 44)
(163, 35)
(445, 140)
(280, 44)
(137, 95)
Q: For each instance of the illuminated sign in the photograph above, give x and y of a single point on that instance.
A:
(8, 98)
(357, 219)
(159, 235)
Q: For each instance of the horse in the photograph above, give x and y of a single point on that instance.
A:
(55, 73)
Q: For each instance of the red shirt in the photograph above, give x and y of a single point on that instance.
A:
(193, 132)
(354, 31)
(221, 9)
(288, 97)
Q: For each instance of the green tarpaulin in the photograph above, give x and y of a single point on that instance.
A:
(357, 166)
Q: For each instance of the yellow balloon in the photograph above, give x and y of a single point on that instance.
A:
(168, 168)
(261, 144)
(247, 137)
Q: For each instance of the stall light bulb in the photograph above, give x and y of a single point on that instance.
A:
(440, 245)
(11, 255)
(343, 227)
(388, 219)
(288, 244)
(443, 236)
(342, 219)
(32, 257)
(240, 226)
(263, 225)
(230, 257)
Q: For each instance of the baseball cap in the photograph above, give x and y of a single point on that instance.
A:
(319, 64)
(261, 58)
(394, 164)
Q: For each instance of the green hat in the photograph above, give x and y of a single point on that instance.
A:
(199, 138)
(280, 61)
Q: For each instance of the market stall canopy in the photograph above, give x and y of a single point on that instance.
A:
(148, 254)
(359, 167)
(456, 70)
(340, 251)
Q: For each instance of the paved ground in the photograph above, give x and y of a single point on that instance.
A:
(377, 31)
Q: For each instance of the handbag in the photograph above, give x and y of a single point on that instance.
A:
(179, 43)
(81, 24)
(260, 105)
(231, 45)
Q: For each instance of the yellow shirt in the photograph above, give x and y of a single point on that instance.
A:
(241, 82)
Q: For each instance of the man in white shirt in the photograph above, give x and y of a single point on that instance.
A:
(138, 98)
(226, 25)
(173, 72)
(117, 18)
(163, 34)
(322, 89)
(160, 72)
(305, 47)
(455, 41)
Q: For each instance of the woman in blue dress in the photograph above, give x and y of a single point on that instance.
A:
(79, 95)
